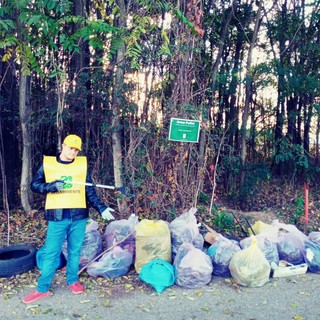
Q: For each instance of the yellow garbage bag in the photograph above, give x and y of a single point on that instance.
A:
(249, 267)
(259, 227)
(153, 241)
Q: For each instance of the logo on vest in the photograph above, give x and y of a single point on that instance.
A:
(67, 182)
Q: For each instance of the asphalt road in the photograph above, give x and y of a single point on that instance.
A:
(295, 297)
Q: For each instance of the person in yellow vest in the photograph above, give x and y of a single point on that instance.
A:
(66, 211)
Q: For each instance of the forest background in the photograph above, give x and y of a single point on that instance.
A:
(116, 72)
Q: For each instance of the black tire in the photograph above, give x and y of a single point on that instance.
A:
(17, 259)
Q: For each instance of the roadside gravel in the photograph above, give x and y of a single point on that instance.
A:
(295, 297)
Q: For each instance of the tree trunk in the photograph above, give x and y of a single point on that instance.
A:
(248, 93)
(116, 114)
(307, 125)
(317, 144)
(232, 121)
(24, 106)
(79, 64)
(222, 39)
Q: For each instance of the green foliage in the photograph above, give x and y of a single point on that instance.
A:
(144, 25)
(95, 32)
(8, 39)
(254, 173)
(230, 169)
(6, 24)
(298, 210)
(295, 153)
(224, 221)
(263, 76)
(140, 26)
(185, 20)
(312, 173)
(203, 198)
(165, 48)
(48, 29)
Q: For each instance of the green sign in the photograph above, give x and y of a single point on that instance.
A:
(184, 130)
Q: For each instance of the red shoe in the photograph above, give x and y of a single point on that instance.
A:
(35, 296)
(76, 288)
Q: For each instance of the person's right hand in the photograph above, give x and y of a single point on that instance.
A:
(55, 186)
(107, 215)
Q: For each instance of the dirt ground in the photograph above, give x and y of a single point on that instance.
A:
(295, 297)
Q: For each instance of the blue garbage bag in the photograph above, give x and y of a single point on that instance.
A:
(158, 273)
(313, 256)
(61, 262)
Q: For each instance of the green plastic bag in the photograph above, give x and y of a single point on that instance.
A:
(159, 274)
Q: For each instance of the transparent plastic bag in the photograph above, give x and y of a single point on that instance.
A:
(315, 236)
(249, 267)
(221, 252)
(269, 248)
(114, 263)
(193, 267)
(290, 243)
(184, 229)
(290, 250)
(92, 225)
(312, 256)
(118, 230)
(91, 247)
(198, 241)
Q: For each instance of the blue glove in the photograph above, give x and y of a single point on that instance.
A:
(107, 215)
(55, 186)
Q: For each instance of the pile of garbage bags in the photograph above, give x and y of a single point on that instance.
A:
(164, 253)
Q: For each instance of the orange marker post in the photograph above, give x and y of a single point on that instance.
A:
(306, 203)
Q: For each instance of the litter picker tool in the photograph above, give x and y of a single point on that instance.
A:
(240, 225)
(249, 225)
(125, 190)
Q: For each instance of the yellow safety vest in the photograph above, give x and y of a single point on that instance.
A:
(72, 195)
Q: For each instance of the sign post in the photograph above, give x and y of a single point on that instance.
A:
(184, 130)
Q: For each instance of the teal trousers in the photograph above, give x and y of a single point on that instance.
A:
(57, 233)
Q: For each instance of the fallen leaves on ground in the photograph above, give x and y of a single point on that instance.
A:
(31, 229)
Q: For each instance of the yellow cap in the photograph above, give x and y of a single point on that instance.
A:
(73, 141)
